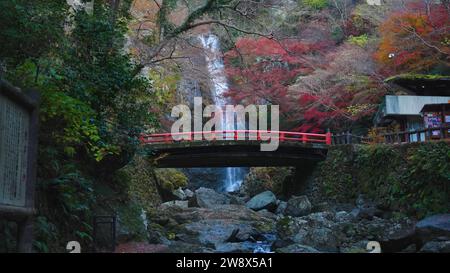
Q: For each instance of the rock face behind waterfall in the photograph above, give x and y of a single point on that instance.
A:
(205, 177)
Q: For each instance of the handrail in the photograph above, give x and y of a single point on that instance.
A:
(422, 135)
(237, 135)
(418, 135)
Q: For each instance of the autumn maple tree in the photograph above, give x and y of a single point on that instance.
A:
(261, 70)
(316, 86)
(415, 39)
(342, 93)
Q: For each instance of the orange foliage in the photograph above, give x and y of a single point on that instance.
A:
(415, 40)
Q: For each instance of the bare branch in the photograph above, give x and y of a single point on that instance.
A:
(224, 24)
(426, 43)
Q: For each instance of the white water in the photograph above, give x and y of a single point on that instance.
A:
(210, 42)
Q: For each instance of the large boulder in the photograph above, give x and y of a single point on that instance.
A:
(343, 216)
(209, 227)
(175, 203)
(298, 206)
(436, 247)
(188, 193)
(208, 198)
(317, 230)
(265, 200)
(355, 247)
(210, 232)
(281, 207)
(398, 240)
(433, 227)
(179, 194)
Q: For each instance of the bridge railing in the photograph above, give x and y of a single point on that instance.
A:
(399, 137)
(259, 135)
(419, 135)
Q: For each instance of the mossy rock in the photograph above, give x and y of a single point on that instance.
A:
(410, 179)
(142, 187)
(261, 179)
(171, 179)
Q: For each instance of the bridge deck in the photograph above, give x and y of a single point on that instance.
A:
(231, 153)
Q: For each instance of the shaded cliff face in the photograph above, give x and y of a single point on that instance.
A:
(205, 177)
(189, 62)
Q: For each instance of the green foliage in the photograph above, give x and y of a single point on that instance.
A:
(428, 174)
(7, 236)
(45, 233)
(139, 178)
(335, 174)
(73, 120)
(369, 161)
(412, 179)
(315, 4)
(171, 179)
(29, 29)
(94, 104)
(65, 205)
(361, 40)
(165, 87)
(130, 220)
(337, 34)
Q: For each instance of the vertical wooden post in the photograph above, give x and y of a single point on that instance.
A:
(443, 122)
(328, 137)
(348, 138)
(25, 235)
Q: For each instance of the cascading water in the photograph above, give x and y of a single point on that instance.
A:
(210, 42)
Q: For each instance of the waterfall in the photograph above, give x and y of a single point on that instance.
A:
(210, 42)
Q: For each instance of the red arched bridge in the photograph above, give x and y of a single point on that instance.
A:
(235, 148)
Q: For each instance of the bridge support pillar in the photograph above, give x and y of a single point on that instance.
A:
(301, 181)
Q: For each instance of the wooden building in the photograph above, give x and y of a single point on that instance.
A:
(418, 102)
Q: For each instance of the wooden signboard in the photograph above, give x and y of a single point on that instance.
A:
(18, 151)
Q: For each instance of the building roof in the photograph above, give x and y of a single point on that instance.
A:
(395, 106)
(419, 84)
(435, 107)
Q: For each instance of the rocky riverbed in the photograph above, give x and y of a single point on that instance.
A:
(208, 221)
